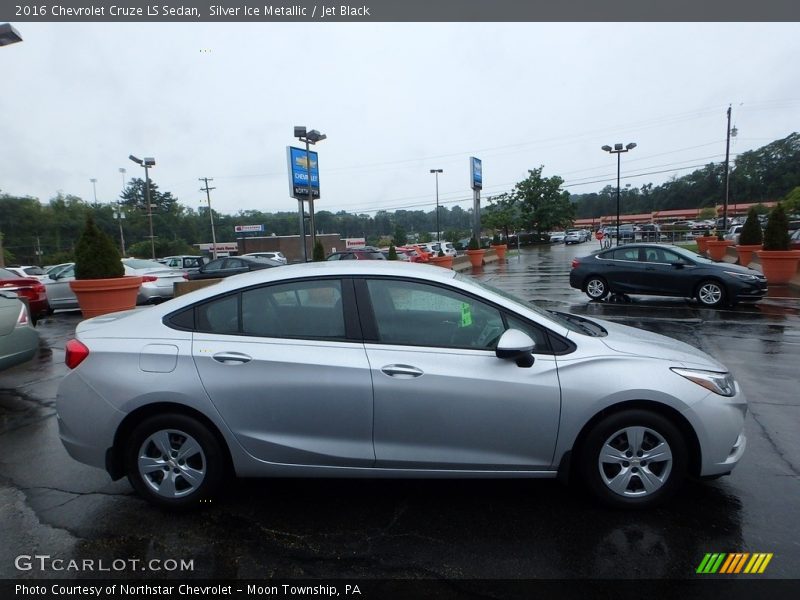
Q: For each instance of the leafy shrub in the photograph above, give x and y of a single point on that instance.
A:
(96, 256)
(319, 252)
(751, 235)
(776, 235)
(392, 253)
(473, 244)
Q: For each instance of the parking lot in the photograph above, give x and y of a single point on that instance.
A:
(431, 529)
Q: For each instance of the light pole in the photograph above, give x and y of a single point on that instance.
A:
(147, 162)
(618, 149)
(94, 189)
(731, 133)
(8, 35)
(120, 214)
(309, 137)
(436, 174)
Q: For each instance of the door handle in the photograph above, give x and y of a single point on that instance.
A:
(231, 358)
(401, 371)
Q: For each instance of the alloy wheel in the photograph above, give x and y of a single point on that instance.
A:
(172, 463)
(635, 462)
(710, 293)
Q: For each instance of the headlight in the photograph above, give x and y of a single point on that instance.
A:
(719, 383)
(742, 276)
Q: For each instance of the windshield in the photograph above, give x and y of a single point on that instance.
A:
(138, 263)
(552, 316)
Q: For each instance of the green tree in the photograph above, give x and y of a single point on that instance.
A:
(792, 201)
(751, 230)
(400, 236)
(776, 235)
(392, 253)
(502, 213)
(542, 203)
(96, 256)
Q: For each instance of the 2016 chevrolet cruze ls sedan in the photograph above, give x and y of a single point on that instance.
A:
(383, 369)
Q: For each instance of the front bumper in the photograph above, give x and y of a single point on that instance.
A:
(719, 424)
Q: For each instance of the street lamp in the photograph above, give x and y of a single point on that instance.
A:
(309, 137)
(8, 35)
(618, 149)
(120, 214)
(147, 162)
(436, 174)
(94, 187)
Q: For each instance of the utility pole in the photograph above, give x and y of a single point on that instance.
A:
(727, 173)
(207, 190)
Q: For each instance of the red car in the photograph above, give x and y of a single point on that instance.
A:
(29, 288)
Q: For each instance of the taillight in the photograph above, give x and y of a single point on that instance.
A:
(75, 353)
(575, 263)
(186, 275)
(147, 278)
(23, 319)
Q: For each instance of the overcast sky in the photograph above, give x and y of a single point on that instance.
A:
(395, 100)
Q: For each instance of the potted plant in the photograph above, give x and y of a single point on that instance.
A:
(778, 263)
(442, 260)
(100, 282)
(716, 246)
(702, 241)
(318, 253)
(392, 253)
(750, 237)
(499, 248)
(475, 253)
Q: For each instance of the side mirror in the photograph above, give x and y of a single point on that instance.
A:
(517, 346)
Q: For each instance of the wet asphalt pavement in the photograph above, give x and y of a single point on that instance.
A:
(50, 504)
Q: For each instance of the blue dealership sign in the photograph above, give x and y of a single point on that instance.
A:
(298, 172)
(477, 172)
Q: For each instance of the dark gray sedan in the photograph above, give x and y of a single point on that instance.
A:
(232, 265)
(663, 270)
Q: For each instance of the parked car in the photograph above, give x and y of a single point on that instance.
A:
(185, 262)
(365, 253)
(276, 256)
(794, 240)
(18, 339)
(574, 236)
(734, 233)
(649, 232)
(412, 253)
(28, 271)
(158, 281)
(663, 270)
(400, 254)
(377, 369)
(557, 237)
(232, 265)
(29, 288)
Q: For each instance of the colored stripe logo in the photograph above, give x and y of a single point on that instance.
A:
(734, 563)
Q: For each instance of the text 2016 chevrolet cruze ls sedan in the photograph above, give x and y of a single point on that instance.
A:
(382, 369)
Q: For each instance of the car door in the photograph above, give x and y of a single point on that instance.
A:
(623, 269)
(287, 373)
(661, 276)
(443, 400)
(59, 294)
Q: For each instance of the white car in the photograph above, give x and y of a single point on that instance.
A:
(446, 247)
(557, 237)
(278, 256)
(29, 271)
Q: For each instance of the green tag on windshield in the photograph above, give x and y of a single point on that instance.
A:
(466, 314)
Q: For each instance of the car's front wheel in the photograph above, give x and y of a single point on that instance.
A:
(174, 461)
(634, 459)
(710, 293)
(596, 288)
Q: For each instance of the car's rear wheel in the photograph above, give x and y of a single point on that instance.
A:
(710, 293)
(596, 288)
(634, 459)
(174, 461)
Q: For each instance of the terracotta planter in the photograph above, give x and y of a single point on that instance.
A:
(716, 248)
(779, 266)
(501, 250)
(746, 253)
(442, 261)
(702, 242)
(476, 257)
(102, 296)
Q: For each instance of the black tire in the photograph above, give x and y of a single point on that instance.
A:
(664, 477)
(186, 488)
(710, 293)
(595, 287)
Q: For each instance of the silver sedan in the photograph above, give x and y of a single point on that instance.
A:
(378, 369)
